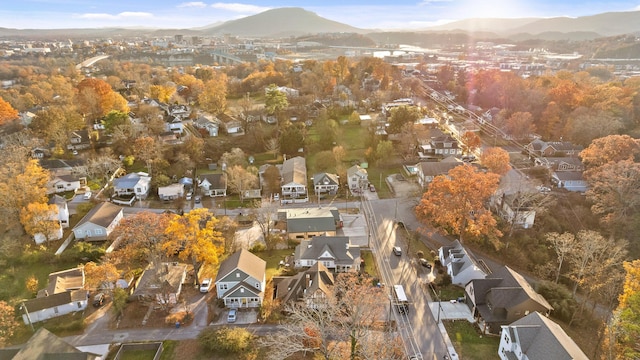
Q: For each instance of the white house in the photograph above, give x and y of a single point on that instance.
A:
(99, 222)
(570, 180)
(535, 337)
(211, 126)
(334, 252)
(47, 307)
(213, 184)
(63, 210)
(171, 192)
(138, 184)
(325, 183)
(515, 208)
(64, 183)
(357, 178)
(459, 264)
(241, 280)
(294, 180)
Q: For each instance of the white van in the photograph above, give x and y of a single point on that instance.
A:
(87, 195)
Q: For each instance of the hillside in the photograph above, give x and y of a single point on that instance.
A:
(281, 22)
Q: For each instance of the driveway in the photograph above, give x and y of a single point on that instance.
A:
(243, 317)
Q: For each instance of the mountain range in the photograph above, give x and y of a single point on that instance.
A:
(293, 22)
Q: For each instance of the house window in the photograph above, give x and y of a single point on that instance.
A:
(98, 231)
(55, 309)
(138, 190)
(257, 285)
(242, 290)
(237, 275)
(223, 286)
(506, 338)
(79, 305)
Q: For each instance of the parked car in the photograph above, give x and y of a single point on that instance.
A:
(424, 263)
(189, 195)
(98, 299)
(372, 188)
(87, 195)
(276, 197)
(198, 199)
(397, 250)
(231, 318)
(205, 285)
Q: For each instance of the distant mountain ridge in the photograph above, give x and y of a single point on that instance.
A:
(295, 21)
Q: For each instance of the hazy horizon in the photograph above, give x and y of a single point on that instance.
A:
(376, 14)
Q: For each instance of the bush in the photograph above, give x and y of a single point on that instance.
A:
(559, 296)
(225, 340)
(257, 247)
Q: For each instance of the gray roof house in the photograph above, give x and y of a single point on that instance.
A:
(303, 223)
(535, 337)
(43, 345)
(99, 222)
(428, 170)
(161, 283)
(570, 180)
(294, 180)
(325, 183)
(241, 280)
(213, 184)
(460, 265)
(502, 298)
(133, 183)
(54, 305)
(312, 286)
(334, 252)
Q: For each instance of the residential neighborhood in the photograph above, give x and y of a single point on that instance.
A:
(332, 195)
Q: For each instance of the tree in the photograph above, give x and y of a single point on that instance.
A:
(496, 159)
(585, 125)
(194, 238)
(40, 219)
(213, 98)
(614, 190)
(119, 300)
(384, 151)
(520, 125)
(140, 239)
(265, 216)
(146, 149)
(32, 284)
(563, 245)
(239, 179)
(98, 275)
(227, 228)
(291, 140)
(7, 113)
(9, 323)
(623, 332)
(470, 142)
(235, 157)
(325, 160)
(275, 101)
(162, 92)
(22, 182)
(612, 148)
(403, 115)
(53, 124)
(102, 166)
(271, 178)
(96, 98)
(456, 203)
(273, 146)
(354, 118)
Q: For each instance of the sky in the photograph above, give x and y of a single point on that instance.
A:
(373, 14)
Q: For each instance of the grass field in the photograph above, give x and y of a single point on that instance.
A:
(273, 257)
(469, 343)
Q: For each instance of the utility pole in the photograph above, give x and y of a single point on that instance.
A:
(26, 311)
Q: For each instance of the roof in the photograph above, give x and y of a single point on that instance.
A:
(294, 170)
(356, 169)
(47, 302)
(541, 338)
(44, 345)
(568, 175)
(65, 280)
(311, 219)
(509, 279)
(171, 189)
(217, 181)
(338, 247)
(168, 276)
(58, 200)
(326, 179)
(245, 261)
(292, 288)
(102, 214)
(437, 168)
(130, 180)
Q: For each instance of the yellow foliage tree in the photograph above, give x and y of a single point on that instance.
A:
(455, 203)
(496, 160)
(8, 321)
(213, 98)
(162, 92)
(21, 183)
(193, 238)
(40, 218)
(7, 112)
(97, 274)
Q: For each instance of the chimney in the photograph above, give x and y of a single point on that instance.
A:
(307, 281)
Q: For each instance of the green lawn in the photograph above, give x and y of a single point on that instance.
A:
(469, 343)
(273, 257)
(369, 263)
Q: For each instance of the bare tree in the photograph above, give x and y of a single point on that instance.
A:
(563, 245)
(265, 216)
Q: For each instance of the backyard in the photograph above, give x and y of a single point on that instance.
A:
(469, 343)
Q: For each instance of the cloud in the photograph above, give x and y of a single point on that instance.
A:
(429, 2)
(193, 4)
(120, 16)
(241, 8)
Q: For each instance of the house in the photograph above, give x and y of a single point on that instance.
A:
(460, 265)
(213, 184)
(138, 184)
(502, 298)
(64, 183)
(553, 148)
(303, 223)
(79, 140)
(98, 223)
(63, 210)
(570, 163)
(516, 209)
(161, 283)
(570, 180)
(312, 286)
(43, 345)
(334, 252)
(357, 178)
(209, 126)
(60, 167)
(174, 125)
(62, 281)
(171, 191)
(294, 180)
(39, 153)
(233, 127)
(54, 305)
(535, 337)
(440, 146)
(325, 183)
(427, 170)
(241, 280)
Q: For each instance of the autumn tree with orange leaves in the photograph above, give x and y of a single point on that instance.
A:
(9, 323)
(7, 112)
(496, 159)
(40, 219)
(193, 237)
(456, 204)
(96, 98)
